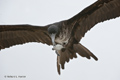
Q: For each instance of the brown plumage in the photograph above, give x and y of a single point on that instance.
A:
(18, 34)
(77, 26)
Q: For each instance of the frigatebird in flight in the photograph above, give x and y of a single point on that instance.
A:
(64, 35)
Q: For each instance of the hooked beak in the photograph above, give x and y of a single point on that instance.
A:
(56, 46)
(53, 39)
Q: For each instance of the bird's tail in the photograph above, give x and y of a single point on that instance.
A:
(71, 53)
(83, 51)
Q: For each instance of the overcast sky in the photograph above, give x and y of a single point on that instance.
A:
(38, 62)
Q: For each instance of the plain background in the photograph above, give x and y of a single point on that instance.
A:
(38, 62)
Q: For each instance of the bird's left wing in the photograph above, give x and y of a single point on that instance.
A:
(98, 12)
(19, 34)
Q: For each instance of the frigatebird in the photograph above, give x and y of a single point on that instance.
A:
(64, 35)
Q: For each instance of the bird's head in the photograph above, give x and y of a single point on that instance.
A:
(53, 31)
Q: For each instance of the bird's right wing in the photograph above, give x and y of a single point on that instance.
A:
(19, 34)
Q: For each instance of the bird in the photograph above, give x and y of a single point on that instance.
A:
(64, 36)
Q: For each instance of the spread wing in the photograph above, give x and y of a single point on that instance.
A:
(99, 11)
(19, 34)
(82, 22)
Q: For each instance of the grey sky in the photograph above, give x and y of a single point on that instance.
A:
(38, 62)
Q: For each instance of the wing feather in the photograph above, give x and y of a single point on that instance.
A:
(99, 11)
(19, 34)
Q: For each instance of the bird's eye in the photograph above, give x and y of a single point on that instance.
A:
(64, 43)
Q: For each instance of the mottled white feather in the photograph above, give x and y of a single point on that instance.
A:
(58, 47)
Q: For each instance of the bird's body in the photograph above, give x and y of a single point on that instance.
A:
(57, 47)
(65, 35)
(61, 37)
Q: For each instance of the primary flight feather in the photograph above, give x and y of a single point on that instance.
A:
(64, 35)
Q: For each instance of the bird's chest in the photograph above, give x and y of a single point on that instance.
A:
(63, 37)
